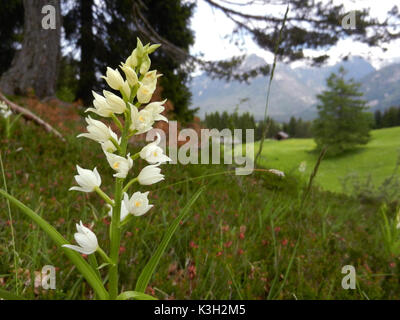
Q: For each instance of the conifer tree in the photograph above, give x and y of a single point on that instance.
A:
(342, 122)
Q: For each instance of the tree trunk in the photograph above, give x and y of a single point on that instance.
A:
(35, 66)
(87, 77)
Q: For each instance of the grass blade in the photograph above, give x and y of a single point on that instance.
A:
(9, 296)
(148, 270)
(84, 268)
(135, 295)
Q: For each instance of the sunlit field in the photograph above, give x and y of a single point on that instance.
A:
(376, 161)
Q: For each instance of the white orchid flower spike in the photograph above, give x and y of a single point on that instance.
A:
(87, 179)
(152, 153)
(86, 239)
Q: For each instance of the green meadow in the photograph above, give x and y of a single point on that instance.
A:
(246, 237)
(375, 161)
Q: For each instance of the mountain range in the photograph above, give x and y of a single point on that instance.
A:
(293, 90)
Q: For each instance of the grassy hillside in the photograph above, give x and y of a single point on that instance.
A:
(247, 237)
(377, 159)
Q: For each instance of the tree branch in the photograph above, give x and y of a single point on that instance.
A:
(28, 115)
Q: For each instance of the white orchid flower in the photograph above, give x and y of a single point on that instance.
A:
(150, 175)
(150, 79)
(126, 89)
(114, 78)
(108, 146)
(3, 106)
(145, 66)
(101, 107)
(130, 74)
(117, 104)
(120, 164)
(124, 211)
(86, 239)
(152, 153)
(156, 108)
(87, 180)
(144, 93)
(138, 204)
(132, 60)
(5, 112)
(142, 120)
(98, 131)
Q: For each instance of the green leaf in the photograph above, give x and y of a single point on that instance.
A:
(135, 295)
(148, 270)
(105, 264)
(84, 268)
(9, 296)
(15, 120)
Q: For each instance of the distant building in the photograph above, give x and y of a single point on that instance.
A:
(281, 135)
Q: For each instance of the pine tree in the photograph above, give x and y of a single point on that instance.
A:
(342, 123)
(378, 119)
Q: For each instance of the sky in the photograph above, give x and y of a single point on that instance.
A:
(211, 27)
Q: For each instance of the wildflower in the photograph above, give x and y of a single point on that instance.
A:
(145, 66)
(115, 102)
(139, 49)
(152, 153)
(130, 74)
(150, 175)
(155, 108)
(138, 204)
(132, 60)
(5, 112)
(86, 239)
(108, 146)
(277, 172)
(87, 179)
(144, 93)
(124, 211)
(98, 131)
(142, 120)
(126, 89)
(114, 79)
(101, 107)
(152, 48)
(150, 79)
(120, 164)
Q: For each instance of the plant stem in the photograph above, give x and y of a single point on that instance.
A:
(115, 240)
(116, 121)
(105, 257)
(105, 197)
(115, 230)
(129, 184)
(8, 131)
(313, 174)
(115, 143)
(135, 156)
